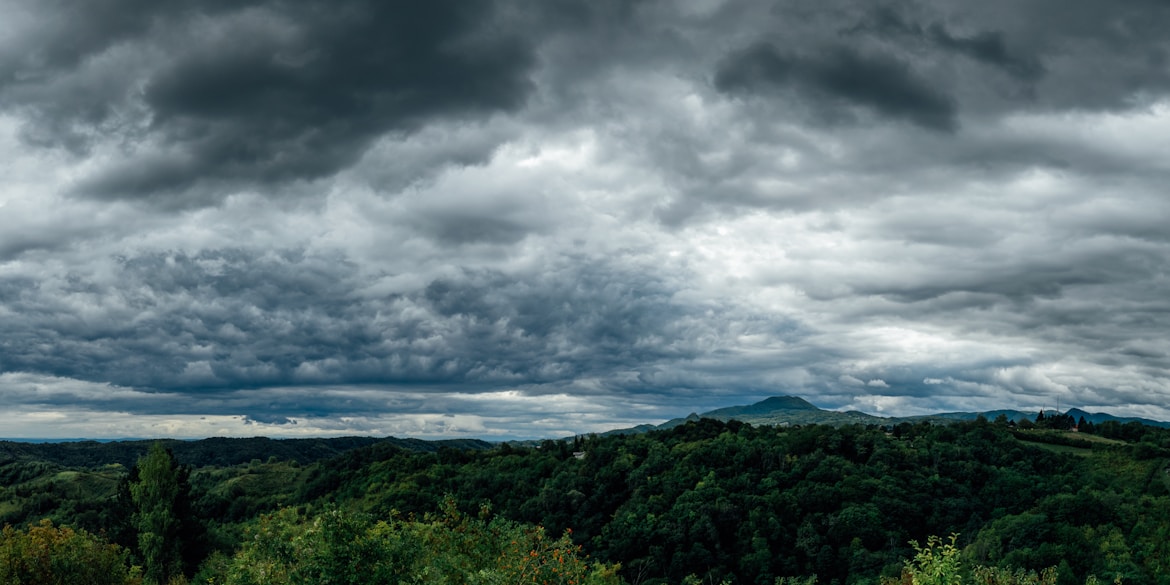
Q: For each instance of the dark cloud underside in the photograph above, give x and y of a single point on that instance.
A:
(226, 319)
(528, 213)
(265, 93)
(989, 47)
(882, 84)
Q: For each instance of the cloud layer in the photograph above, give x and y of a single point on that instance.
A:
(520, 218)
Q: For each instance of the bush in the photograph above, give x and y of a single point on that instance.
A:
(346, 548)
(937, 563)
(49, 555)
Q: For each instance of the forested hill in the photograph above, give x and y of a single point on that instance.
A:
(708, 500)
(713, 500)
(754, 503)
(216, 451)
(793, 410)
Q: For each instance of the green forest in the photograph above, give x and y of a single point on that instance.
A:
(707, 502)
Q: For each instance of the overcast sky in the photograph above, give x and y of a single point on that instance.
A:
(534, 218)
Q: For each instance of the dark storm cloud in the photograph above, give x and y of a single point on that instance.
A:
(227, 319)
(948, 60)
(880, 83)
(1108, 56)
(294, 210)
(272, 419)
(1024, 281)
(260, 93)
(987, 46)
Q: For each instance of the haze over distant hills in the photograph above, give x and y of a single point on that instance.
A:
(793, 410)
(776, 410)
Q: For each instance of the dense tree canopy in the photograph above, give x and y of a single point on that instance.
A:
(709, 501)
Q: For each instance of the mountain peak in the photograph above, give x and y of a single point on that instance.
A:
(764, 407)
(784, 403)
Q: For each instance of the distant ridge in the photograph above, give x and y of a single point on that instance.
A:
(776, 410)
(766, 407)
(793, 410)
(1012, 415)
(220, 451)
(1099, 417)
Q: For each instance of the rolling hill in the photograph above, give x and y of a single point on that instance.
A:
(793, 410)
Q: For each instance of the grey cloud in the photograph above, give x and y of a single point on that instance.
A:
(1022, 282)
(877, 82)
(392, 165)
(272, 93)
(227, 319)
(265, 418)
(463, 228)
(494, 218)
(1096, 56)
(294, 210)
(987, 46)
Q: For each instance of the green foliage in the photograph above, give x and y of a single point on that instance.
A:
(940, 562)
(936, 563)
(811, 580)
(242, 492)
(333, 548)
(49, 555)
(722, 501)
(732, 501)
(1015, 576)
(30, 490)
(158, 497)
(337, 547)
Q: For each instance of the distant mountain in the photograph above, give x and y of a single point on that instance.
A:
(793, 410)
(777, 410)
(670, 424)
(1075, 413)
(1100, 417)
(1012, 415)
(766, 407)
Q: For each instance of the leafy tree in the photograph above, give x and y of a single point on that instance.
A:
(937, 563)
(160, 498)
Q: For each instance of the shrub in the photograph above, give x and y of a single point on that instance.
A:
(50, 555)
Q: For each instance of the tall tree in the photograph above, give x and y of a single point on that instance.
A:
(160, 496)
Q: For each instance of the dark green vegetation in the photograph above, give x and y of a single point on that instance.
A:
(793, 410)
(217, 451)
(706, 501)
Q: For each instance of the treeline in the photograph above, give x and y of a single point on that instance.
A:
(751, 504)
(215, 451)
(707, 501)
(331, 547)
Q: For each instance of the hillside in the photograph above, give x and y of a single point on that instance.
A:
(729, 500)
(793, 410)
(217, 451)
(717, 500)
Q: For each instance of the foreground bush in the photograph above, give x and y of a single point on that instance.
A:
(338, 547)
(50, 555)
(939, 563)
